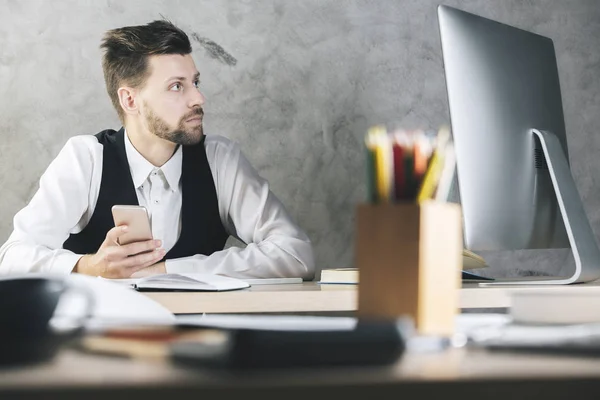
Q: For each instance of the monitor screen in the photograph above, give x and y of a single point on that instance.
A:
(502, 82)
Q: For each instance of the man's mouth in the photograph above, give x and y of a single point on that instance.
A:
(197, 117)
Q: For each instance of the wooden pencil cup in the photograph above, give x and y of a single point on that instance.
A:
(409, 259)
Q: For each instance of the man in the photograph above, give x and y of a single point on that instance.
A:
(198, 189)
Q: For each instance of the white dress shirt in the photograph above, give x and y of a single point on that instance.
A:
(249, 211)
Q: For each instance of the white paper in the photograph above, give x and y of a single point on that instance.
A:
(270, 322)
(111, 304)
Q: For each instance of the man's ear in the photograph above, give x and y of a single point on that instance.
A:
(128, 101)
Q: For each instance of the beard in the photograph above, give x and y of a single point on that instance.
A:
(182, 134)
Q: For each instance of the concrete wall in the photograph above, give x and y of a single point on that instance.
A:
(296, 83)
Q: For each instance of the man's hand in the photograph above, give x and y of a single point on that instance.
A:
(114, 261)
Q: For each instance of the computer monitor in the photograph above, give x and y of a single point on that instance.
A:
(514, 180)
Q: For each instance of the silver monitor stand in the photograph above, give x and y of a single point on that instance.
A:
(581, 237)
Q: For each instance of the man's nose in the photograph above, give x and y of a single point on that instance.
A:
(197, 99)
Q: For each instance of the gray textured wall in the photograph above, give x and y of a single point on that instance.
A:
(296, 83)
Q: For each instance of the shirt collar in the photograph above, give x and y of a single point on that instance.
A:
(172, 168)
(141, 168)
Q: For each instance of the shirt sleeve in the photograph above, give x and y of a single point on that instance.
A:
(275, 245)
(58, 208)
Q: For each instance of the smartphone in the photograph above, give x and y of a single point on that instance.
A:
(138, 221)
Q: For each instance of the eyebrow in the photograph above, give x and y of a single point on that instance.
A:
(182, 78)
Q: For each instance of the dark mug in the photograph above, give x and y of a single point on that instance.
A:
(27, 305)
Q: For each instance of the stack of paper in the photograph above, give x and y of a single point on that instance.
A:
(350, 275)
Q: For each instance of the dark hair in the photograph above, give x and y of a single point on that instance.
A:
(126, 52)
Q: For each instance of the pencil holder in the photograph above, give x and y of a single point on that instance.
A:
(409, 260)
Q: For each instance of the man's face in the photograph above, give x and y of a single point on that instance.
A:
(171, 102)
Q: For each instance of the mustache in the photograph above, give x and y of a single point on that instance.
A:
(196, 112)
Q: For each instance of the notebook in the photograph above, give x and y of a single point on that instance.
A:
(185, 282)
(339, 275)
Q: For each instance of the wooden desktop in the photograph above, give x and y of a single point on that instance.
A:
(468, 374)
(463, 372)
(314, 297)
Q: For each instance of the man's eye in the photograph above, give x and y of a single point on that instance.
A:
(176, 87)
(197, 84)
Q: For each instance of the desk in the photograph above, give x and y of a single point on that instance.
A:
(313, 297)
(458, 373)
(299, 297)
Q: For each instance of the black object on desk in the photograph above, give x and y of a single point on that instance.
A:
(471, 277)
(368, 343)
(28, 305)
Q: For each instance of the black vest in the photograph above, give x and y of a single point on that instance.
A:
(201, 229)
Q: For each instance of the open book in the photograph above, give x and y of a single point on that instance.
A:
(188, 282)
(350, 275)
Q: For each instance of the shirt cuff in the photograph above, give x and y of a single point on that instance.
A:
(184, 265)
(67, 263)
